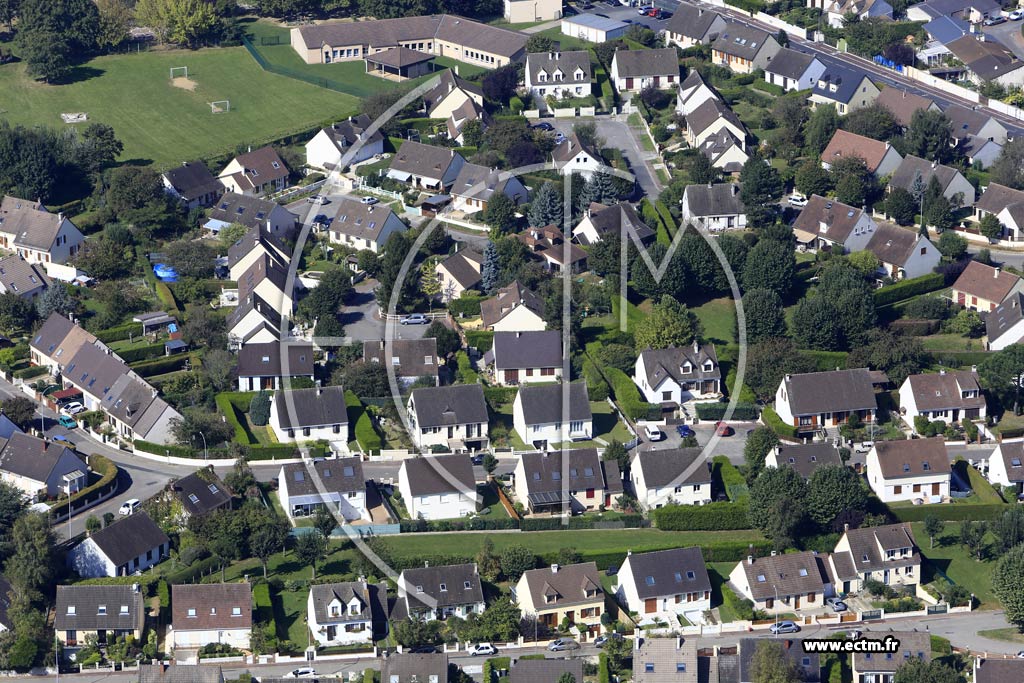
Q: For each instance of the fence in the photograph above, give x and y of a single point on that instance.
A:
(330, 84)
(285, 195)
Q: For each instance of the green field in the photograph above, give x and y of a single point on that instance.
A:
(951, 557)
(164, 124)
(718, 317)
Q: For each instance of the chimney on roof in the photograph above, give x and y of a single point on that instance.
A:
(846, 526)
(773, 553)
(974, 369)
(709, 185)
(750, 559)
(995, 272)
(735, 189)
(554, 569)
(942, 372)
(184, 164)
(426, 564)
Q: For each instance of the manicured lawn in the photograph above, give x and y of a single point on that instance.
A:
(718, 572)
(951, 557)
(951, 342)
(290, 615)
(607, 426)
(718, 317)
(565, 42)
(983, 491)
(489, 497)
(164, 124)
(1010, 635)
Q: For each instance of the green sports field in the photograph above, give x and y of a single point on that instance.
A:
(164, 124)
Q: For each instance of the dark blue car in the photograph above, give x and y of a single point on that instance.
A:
(685, 431)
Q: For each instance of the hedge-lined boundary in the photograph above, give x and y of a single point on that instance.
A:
(366, 435)
(30, 372)
(142, 353)
(905, 289)
(716, 411)
(119, 333)
(230, 404)
(772, 419)
(256, 451)
(949, 513)
(162, 366)
(483, 340)
(107, 481)
(710, 517)
(627, 395)
(264, 609)
(733, 481)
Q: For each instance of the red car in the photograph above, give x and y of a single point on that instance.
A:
(654, 12)
(722, 429)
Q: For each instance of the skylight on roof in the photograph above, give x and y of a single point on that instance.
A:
(649, 580)
(802, 571)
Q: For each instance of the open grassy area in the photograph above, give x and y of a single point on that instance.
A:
(951, 342)
(718, 317)
(290, 615)
(164, 124)
(718, 572)
(1010, 635)
(951, 557)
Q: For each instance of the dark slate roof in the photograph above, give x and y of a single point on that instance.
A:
(338, 475)
(94, 370)
(944, 390)
(1012, 454)
(664, 466)
(504, 301)
(999, 671)
(361, 220)
(719, 199)
(964, 121)
(415, 668)
(728, 668)
(1004, 317)
(251, 212)
(538, 349)
(912, 644)
(987, 59)
(399, 57)
(264, 360)
(567, 62)
(718, 144)
(30, 223)
(315, 407)
(426, 581)
(668, 572)
(912, 457)
(790, 63)
(911, 166)
(480, 182)
(416, 357)
(129, 538)
(610, 220)
(346, 133)
(839, 219)
(830, 392)
(892, 244)
(255, 237)
(214, 605)
(570, 147)
(741, 40)
(436, 474)
(459, 267)
(709, 112)
(180, 673)
(568, 585)
(805, 458)
(254, 301)
(21, 277)
(451, 405)
(846, 79)
(548, 480)
(447, 82)
(638, 63)
(79, 608)
(542, 403)
(419, 159)
(193, 180)
(792, 573)
(809, 663)
(201, 492)
(691, 21)
(660, 364)
(868, 543)
(547, 670)
(368, 594)
(947, 29)
(33, 458)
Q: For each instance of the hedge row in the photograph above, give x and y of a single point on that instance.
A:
(483, 340)
(716, 411)
(949, 513)
(366, 434)
(629, 521)
(264, 609)
(772, 419)
(467, 305)
(908, 288)
(500, 396)
(710, 517)
(467, 375)
(119, 333)
(163, 292)
(469, 524)
(195, 570)
(256, 451)
(30, 372)
(627, 394)
(228, 410)
(141, 353)
(161, 366)
(734, 483)
(597, 387)
(741, 607)
(108, 476)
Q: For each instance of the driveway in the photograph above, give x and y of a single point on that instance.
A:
(1008, 35)
(362, 320)
(616, 133)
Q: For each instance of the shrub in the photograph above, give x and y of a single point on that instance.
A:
(480, 339)
(906, 289)
(597, 387)
(499, 396)
(119, 333)
(30, 372)
(467, 305)
(161, 366)
(228, 409)
(733, 481)
(259, 409)
(743, 608)
(142, 353)
(716, 411)
(627, 395)
(710, 517)
(467, 375)
(366, 433)
(772, 419)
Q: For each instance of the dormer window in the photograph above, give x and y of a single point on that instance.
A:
(444, 588)
(101, 610)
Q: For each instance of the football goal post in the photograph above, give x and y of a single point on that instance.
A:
(220, 106)
(179, 72)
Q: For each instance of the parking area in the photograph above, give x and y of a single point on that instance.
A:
(617, 133)
(729, 446)
(629, 14)
(1007, 34)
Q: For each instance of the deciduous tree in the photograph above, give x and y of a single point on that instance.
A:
(670, 323)
(832, 490)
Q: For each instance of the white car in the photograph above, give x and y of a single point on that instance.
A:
(797, 199)
(654, 433)
(73, 408)
(1016, 15)
(129, 506)
(482, 649)
(302, 672)
(369, 200)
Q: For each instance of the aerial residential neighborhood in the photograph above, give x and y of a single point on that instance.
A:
(552, 341)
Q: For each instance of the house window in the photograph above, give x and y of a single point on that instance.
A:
(101, 610)
(547, 372)
(236, 611)
(191, 612)
(649, 667)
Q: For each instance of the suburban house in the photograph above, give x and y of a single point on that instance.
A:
(548, 245)
(691, 25)
(328, 147)
(902, 253)
(452, 417)
(193, 184)
(807, 664)
(970, 10)
(345, 613)
(952, 182)
(678, 374)
(428, 593)
(412, 359)
(725, 151)
(836, 10)
(260, 365)
(1006, 465)
(782, 582)
(880, 667)
(407, 667)
(268, 279)
(909, 470)
(512, 309)
(589, 482)
(881, 158)
(601, 222)
(336, 482)
(846, 88)
(693, 91)
(458, 273)
(24, 279)
(818, 400)
(457, 120)
(204, 613)
(36, 235)
(670, 476)
(558, 74)
(793, 70)
(200, 493)
(259, 215)
(980, 152)
(673, 659)
(634, 70)
(947, 395)
(104, 612)
(828, 224)
(665, 585)
(941, 32)
(707, 120)
(425, 167)
(538, 418)
(1004, 326)
(130, 545)
(135, 411)
(572, 155)
(903, 104)
(545, 670)
(255, 243)
(56, 342)
(805, 458)
(743, 49)
(309, 414)
(42, 470)
(364, 226)
(887, 554)
(965, 123)
(526, 357)
(986, 60)
(253, 321)
(715, 206)
(439, 34)
(1006, 204)
(255, 173)
(563, 593)
(475, 185)
(996, 670)
(438, 486)
(449, 95)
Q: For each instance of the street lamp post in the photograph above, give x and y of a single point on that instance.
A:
(776, 609)
(206, 452)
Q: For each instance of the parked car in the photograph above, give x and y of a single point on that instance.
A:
(544, 125)
(73, 408)
(563, 644)
(424, 650)
(482, 649)
(559, 138)
(642, 11)
(654, 433)
(318, 199)
(67, 422)
(603, 639)
(784, 627)
(477, 459)
(723, 429)
(301, 672)
(1016, 15)
(995, 21)
(685, 431)
(416, 319)
(797, 199)
(836, 604)
(369, 200)
(221, 272)
(129, 506)
(654, 13)
(64, 441)
(49, 389)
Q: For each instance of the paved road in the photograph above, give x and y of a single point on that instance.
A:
(617, 133)
(1008, 35)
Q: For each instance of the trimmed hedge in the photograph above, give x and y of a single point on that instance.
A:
(499, 396)
(467, 375)
(710, 517)
(555, 523)
(733, 481)
(161, 366)
(227, 408)
(949, 513)
(597, 386)
(603, 675)
(119, 333)
(742, 607)
(772, 419)
(627, 395)
(469, 524)
(29, 373)
(481, 339)
(366, 434)
(908, 288)
(466, 305)
(163, 292)
(108, 479)
(716, 411)
(264, 609)
(141, 353)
